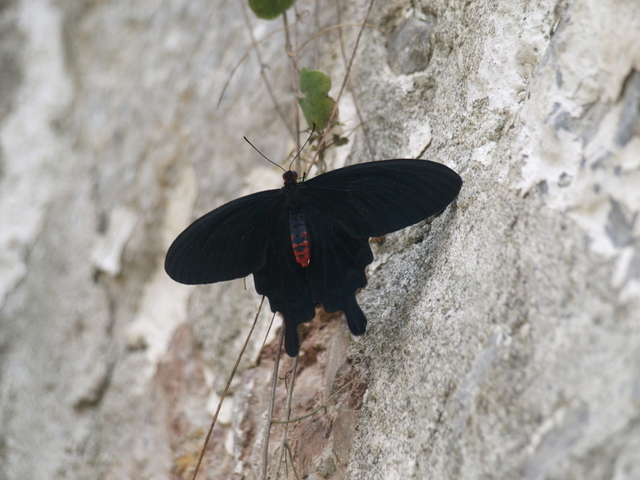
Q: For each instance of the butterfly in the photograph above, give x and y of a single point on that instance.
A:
(307, 243)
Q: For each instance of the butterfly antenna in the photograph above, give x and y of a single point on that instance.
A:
(263, 156)
(313, 129)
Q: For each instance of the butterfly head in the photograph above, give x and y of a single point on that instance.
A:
(290, 178)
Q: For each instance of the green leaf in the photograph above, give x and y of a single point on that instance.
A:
(317, 105)
(269, 9)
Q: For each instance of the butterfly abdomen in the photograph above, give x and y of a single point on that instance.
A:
(300, 239)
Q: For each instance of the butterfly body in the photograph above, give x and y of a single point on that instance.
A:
(307, 243)
(300, 238)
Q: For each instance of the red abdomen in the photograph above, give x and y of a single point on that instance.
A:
(300, 239)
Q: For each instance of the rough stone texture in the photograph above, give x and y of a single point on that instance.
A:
(409, 46)
(504, 335)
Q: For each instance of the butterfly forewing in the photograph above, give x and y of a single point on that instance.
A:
(377, 198)
(229, 242)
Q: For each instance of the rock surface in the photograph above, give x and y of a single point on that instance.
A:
(504, 335)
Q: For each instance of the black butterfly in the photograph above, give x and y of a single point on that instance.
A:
(308, 242)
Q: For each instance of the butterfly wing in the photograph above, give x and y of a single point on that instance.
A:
(336, 269)
(228, 242)
(347, 206)
(248, 235)
(376, 198)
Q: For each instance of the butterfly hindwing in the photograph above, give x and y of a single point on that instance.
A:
(377, 198)
(229, 242)
(283, 282)
(337, 268)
